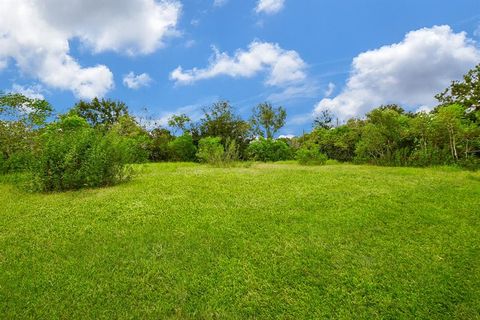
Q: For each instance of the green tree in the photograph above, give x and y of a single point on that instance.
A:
(465, 93)
(449, 119)
(20, 117)
(267, 120)
(219, 120)
(135, 136)
(324, 120)
(100, 113)
(19, 108)
(180, 122)
(384, 136)
(159, 140)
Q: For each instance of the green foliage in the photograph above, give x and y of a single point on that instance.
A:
(267, 120)
(19, 108)
(268, 150)
(219, 120)
(74, 157)
(310, 156)
(19, 117)
(136, 137)
(182, 148)
(180, 122)
(465, 93)
(210, 150)
(382, 135)
(100, 113)
(158, 145)
(337, 143)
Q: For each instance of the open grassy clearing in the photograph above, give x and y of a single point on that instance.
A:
(269, 241)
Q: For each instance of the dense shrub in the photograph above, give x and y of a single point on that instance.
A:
(311, 156)
(182, 148)
(158, 145)
(210, 150)
(136, 138)
(268, 150)
(73, 155)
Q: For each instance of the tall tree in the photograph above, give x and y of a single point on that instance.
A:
(19, 108)
(19, 116)
(219, 120)
(324, 119)
(466, 92)
(180, 122)
(101, 113)
(267, 120)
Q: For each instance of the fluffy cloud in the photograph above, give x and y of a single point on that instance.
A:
(283, 67)
(33, 92)
(269, 6)
(409, 73)
(133, 81)
(36, 33)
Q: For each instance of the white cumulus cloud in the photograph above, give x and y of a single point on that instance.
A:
(133, 81)
(269, 6)
(283, 67)
(409, 73)
(33, 92)
(36, 34)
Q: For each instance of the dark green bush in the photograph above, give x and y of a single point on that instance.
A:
(310, 156)
(182, 148)
(268, 150)
(158, 145)
(72, 155)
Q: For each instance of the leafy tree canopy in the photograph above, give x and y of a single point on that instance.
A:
(102, 112)
(17, 107)
(267, 120)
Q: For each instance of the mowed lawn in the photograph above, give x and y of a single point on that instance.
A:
(269, 241)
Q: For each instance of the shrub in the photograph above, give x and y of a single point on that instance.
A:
(17, 162)
(232, 152)
(158, 146)
(310, 156)
(136, 137)
(210, 150)
(268, 150)
(73, 156)
(182, 148)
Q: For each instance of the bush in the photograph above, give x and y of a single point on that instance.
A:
(158, 146)
(310, 156)
(17, 162)
(136, 137)
(268, 150)
(72, 155)
(182, 148)
(210, 150)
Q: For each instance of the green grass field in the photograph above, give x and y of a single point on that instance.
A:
(269, 241)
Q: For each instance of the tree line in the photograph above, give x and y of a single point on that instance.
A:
(92, 143)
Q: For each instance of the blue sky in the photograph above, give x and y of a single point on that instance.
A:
(306, 55)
